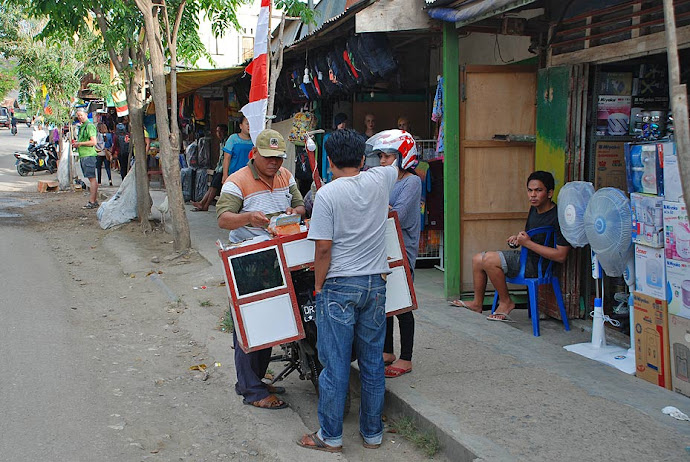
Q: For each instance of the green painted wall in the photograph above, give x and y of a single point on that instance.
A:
(552, 122)
(451, 162)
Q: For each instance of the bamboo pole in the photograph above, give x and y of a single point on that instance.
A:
(679, 99)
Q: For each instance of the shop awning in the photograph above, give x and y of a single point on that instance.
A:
(190, 81)
(470, 11)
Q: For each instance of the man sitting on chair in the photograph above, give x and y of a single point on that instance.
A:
(498, 265)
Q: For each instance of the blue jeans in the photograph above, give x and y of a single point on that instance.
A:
(350, 311)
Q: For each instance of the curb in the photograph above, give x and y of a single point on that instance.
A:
(430, 418)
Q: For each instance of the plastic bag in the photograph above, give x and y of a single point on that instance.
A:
(122, 207)
(63, 166)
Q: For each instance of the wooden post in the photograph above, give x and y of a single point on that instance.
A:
(451, 162)
(679, 99)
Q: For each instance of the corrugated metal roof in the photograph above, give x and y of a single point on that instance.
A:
(331, 12)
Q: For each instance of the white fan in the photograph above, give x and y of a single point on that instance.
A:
(601, 219)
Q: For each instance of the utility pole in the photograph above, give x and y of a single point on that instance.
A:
(679, 100)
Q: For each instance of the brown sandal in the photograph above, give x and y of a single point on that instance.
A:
(271, 402)
(312, 441)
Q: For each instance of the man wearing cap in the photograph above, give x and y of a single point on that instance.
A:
(248, 200)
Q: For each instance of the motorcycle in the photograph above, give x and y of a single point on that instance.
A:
(38, 158)
(302, 355)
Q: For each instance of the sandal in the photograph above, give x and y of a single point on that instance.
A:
(500, 317)
(312, 441)
(392, 372)
(462, 304)
(271, 402)
(275, 390)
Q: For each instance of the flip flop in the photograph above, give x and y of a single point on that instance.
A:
(500, 317)
(392, 372)
(461, 304)
(312, 441)
(268, 403)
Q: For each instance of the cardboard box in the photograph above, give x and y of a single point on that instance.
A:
(678, 280)
(651, 340)
(673, 190)
(647, 220)
(679, 345)
(650, 274)
(610, 165)
(676, 231)
(613, 115)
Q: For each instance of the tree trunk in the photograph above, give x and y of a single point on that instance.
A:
(169, 157)
(135, 103)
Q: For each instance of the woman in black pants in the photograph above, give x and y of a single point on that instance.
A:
(103, 143)
(405, 199)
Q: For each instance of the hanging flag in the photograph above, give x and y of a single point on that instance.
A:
(47, 100)
(119, 97)
(255, 110)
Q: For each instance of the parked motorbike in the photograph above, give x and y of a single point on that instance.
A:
(38, 158)
(302, 356)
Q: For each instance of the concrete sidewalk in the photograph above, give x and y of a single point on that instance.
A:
(492, 391)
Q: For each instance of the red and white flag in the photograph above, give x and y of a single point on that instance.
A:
(255, 110)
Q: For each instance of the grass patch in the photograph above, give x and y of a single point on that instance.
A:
(427, 441)
(205, 303)
(226, 324)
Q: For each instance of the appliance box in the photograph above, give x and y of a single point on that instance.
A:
(647, 220)
(652, 361)
(610, 165)
(644, 168)
(650, 274)
(676, 231)
(673, 190)
(679, 346)
(678, 281)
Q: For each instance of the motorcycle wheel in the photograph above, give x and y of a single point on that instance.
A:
(52, 166)
(22, 169)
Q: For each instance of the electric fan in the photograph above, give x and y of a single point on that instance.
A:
(601, 219)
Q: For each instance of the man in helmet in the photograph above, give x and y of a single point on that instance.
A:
(495, 266)
(348, 226)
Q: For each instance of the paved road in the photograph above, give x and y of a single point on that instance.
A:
(49, 402)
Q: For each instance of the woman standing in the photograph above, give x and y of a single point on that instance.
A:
(236, 149)
(405, 200)
(104, 142)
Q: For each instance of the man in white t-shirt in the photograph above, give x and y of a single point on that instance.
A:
(348, 226)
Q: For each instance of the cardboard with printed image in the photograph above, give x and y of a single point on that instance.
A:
(650, 271)
(610, 165)
(652, 361)
(676, 231)
(647, 219)
(678, 282)
(679, 346)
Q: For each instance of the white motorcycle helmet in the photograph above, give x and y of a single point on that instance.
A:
(395, 142)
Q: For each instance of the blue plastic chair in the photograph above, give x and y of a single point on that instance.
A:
(544, 276)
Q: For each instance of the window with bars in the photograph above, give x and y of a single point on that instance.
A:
(247, 48)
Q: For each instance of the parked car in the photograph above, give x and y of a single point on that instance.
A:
(4, 117)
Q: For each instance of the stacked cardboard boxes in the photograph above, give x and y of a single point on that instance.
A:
(661, 234)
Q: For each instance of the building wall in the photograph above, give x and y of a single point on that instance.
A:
(226, 51)
(491, 49)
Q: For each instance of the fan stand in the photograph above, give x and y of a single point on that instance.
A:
(598, 350)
